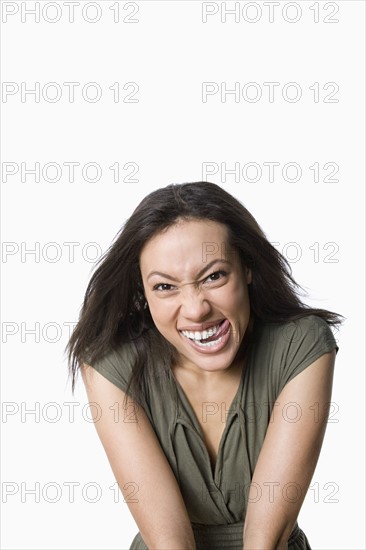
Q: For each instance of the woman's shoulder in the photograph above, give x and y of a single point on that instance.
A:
(306, 330)
(116, 364)
(284, 349)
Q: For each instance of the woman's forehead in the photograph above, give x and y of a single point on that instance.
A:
(188, 246)
(188, 236)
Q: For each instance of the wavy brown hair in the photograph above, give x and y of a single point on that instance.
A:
(114, 308)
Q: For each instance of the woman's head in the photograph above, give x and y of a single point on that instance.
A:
(196, 291)
(115, 301)
(175, 203)
(166, 206)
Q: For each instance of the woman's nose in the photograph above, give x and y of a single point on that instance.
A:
(194, 304)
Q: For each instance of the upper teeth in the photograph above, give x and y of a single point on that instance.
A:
(196, 335)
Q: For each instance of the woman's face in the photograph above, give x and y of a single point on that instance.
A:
(196, 289)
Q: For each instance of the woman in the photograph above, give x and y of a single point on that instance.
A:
(193, 327)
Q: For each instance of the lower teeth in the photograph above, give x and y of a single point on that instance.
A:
(207, 344)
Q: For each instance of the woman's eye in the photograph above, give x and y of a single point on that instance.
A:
(161, 287)
(216, 276)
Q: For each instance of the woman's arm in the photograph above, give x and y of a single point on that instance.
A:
(136, 457)
(288, 457)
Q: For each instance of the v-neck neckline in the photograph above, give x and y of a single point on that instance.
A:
(232, 412)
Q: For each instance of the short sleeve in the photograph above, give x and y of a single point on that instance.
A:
(303, 341)
(117, 365)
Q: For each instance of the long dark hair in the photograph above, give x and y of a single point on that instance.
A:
(114, 309)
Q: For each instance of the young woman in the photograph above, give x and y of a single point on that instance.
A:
(193, 326)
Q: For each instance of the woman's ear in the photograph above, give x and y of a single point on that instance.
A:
(249, 275)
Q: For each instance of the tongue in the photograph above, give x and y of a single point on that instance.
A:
(222, 329)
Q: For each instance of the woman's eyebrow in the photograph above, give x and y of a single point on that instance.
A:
(208, 266)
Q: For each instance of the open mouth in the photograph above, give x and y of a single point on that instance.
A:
(210, 337)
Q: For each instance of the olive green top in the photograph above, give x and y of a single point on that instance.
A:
(278, 353)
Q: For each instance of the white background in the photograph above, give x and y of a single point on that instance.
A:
(169, 133)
